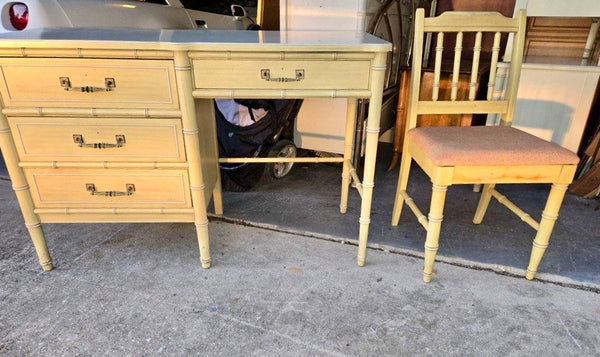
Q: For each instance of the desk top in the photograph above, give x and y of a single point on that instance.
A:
(215, 40)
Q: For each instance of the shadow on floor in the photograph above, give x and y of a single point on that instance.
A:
(307, 202)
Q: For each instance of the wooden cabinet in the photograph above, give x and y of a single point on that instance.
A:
(554, 100)
(560, 72)
(557, 36)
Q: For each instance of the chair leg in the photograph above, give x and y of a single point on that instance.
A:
(402, 184)
(484, 201)
(549, 216)
(436, 215)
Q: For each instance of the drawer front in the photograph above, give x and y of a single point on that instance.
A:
(288, 74)
(102, 188)
(106, 139)
(37, 82)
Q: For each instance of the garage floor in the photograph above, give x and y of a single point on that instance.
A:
(307, 202)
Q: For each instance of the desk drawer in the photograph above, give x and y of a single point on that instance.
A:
(278, 74)
(37, 82)
(102, 188)
(106, 139)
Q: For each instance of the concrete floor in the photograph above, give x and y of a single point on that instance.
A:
(139, 290)
(307, 202)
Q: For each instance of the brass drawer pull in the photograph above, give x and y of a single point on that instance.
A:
(129, 190)
(78, 139)
(65, 82)
(266, 75)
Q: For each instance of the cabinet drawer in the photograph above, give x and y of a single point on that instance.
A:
(37, 82)
(287, 74)
(101, 188)
(106, 139)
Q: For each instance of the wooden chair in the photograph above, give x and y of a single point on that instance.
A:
(486, 155)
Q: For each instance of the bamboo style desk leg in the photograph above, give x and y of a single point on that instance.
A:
(205, 109)
(21, 188)
(373, 119)
(400, 118)
(192, 147)
(348, 145)
(218, 195)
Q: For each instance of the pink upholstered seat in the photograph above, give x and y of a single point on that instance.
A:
(487, 145)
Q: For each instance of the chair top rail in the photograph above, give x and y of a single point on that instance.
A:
(464, 21)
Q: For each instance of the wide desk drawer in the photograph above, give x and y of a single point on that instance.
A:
(95, 83)
(102, 188)
(310, 73)
(105, 139)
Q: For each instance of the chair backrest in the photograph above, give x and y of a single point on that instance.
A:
(460, 24)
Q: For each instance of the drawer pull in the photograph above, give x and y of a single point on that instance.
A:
(266, 75)
(78, 139)
(129, 190)
(65, 82)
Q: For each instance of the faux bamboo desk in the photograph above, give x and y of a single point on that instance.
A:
(118, 125)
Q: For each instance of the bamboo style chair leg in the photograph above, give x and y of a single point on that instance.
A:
(484, 202)
(402, 184)
(549, 216)
(436, 215)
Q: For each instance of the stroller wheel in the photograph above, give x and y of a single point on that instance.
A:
(282, 148)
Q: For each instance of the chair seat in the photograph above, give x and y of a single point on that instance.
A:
(487, 146)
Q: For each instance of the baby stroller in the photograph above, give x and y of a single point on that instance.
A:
(255, 128)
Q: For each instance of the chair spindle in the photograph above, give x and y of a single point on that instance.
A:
(439, 48)
(493, 66)
(456, 67)
(475, 67)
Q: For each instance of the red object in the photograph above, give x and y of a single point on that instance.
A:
(19, 15)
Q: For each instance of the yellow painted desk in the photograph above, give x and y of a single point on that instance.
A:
(102, 125)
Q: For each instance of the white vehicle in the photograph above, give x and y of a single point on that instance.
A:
(162, 14)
